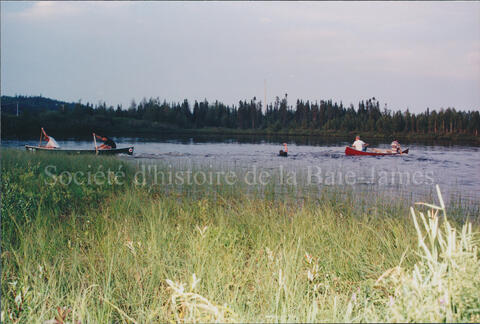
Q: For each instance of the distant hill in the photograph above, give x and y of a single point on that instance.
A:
(36, 103)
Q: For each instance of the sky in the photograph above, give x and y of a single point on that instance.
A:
(406, 54)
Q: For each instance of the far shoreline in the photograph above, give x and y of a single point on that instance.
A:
(462, 139)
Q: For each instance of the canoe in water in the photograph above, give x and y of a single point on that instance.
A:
(352, 151)
(124, 150)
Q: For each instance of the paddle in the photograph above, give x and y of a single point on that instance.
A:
(95, 143)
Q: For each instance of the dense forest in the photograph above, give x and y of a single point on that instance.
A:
(153, 115)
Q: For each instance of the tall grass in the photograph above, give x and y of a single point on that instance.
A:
(32, 186)
(156, 256)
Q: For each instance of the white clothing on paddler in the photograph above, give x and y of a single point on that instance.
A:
(52, 143)
(358, 145)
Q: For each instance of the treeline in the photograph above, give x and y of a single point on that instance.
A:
(154, 115)
(33, 103)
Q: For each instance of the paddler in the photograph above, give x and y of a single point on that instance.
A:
(108, 143)
(51, 142)
(284, 152)
(359, 145)
(396, 148)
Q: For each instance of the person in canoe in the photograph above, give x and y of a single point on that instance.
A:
(51, 142)
(396, 148)
(284, 152)
(108, 143)
(359, 145)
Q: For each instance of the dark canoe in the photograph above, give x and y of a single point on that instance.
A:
(351, 151)
(124, 150)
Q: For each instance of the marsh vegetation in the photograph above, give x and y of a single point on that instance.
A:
(127, 253)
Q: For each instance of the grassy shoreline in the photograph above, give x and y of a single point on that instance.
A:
(123, 253)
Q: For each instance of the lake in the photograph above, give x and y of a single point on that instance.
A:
(319, 162)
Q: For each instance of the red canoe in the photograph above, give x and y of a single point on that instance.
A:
(351, 151)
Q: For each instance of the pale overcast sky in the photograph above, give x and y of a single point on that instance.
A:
(407, 54)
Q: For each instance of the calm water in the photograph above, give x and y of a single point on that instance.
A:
(322, 162)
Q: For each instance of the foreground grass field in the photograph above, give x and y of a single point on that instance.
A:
(123, 253)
